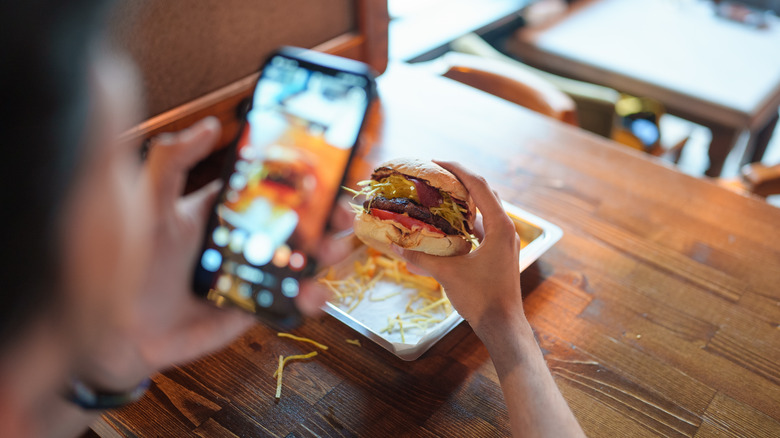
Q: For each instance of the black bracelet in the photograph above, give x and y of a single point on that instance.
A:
(86, 397)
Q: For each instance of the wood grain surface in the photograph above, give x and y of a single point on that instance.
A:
(658, 312)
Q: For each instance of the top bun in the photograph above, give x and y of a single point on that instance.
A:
(431, 173)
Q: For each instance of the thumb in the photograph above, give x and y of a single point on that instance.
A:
(173, 155)
(186, 148)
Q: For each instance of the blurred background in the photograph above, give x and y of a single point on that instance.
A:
(668, 77)
(694, 83)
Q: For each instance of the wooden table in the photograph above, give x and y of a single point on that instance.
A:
(721, 74)
(658, 312)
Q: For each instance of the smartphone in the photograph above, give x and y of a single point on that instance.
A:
(281, 183)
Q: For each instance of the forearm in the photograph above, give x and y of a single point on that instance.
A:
(534, 402)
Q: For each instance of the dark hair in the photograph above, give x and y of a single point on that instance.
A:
(45, 52)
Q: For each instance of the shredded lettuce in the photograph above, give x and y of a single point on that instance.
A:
(396, 186)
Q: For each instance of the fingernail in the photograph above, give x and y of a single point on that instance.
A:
(216, 184)
(397, 249)
(210, 122)
(162, 138)
(205, 126)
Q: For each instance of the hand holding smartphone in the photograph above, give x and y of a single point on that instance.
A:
(281, 183)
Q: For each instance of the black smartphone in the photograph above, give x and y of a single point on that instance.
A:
(281, 183)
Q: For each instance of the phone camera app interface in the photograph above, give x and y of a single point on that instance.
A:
(290, 159)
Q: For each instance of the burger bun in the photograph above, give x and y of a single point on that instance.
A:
(381, 234)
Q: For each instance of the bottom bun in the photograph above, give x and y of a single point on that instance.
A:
(380, 234)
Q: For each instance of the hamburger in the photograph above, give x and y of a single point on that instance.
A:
(289, 181)
(284, 176)
(417, 205)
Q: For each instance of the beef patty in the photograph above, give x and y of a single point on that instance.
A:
(413, 210)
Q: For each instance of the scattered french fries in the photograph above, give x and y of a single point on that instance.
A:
(426, 307)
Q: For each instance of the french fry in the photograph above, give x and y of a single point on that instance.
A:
(418, 281)
(280, 370)
(385, 297)
(278, 374)
(302, 339)
(434, 304)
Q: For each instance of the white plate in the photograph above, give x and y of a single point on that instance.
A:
(369, 318)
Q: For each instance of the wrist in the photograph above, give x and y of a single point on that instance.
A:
(103, 377)
(112, 368)
(92, 398)
(509, 339)
(501, 322)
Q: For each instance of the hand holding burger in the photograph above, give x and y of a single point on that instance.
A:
(416, 205)
(484, 287)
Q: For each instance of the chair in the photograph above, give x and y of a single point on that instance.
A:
(507, 82)
(756, 178)
(762, 180)
(595, 104)
(201, 58)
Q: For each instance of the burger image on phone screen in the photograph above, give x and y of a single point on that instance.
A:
(284, 176)
(417, 205)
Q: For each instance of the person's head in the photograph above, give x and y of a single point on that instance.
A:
(72, 207)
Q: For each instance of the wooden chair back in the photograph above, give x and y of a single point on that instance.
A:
(510, 83)
(201, 58)
(761, 179)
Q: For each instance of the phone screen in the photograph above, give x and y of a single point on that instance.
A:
(290, 160)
